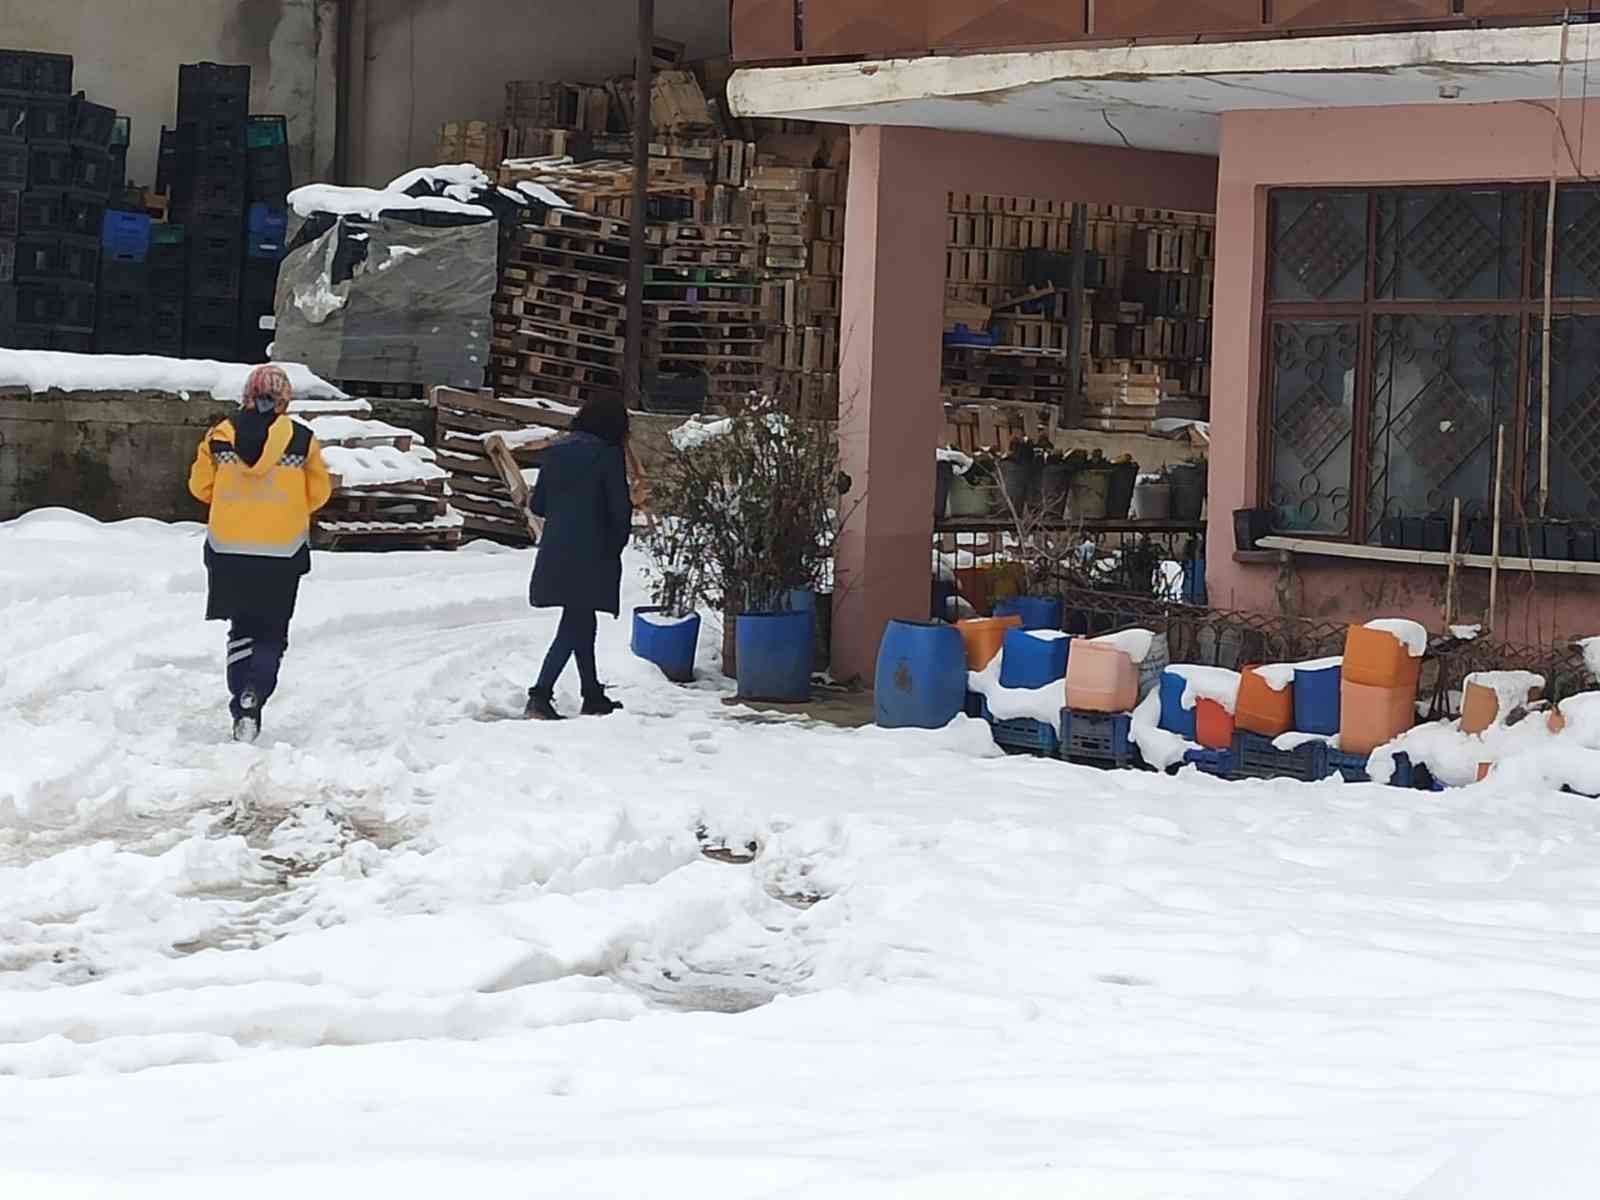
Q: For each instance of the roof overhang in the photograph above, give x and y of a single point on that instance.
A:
(1173, 97)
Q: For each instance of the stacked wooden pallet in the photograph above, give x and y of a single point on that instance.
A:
(466, 421)
(799, 217)
(389, 493)
(1146, 337)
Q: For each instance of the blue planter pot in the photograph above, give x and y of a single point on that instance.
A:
(775, 656)
(1028, 662)
(670, 647)
(922, 675)
(1037, 612)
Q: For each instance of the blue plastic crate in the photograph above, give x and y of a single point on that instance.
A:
(1212, 762)
(1023, 735)
(267, 231)
(974, 706)
(961, 335)
(1257, 758)
(1105, 739)
(125, 236)
(1353, 768)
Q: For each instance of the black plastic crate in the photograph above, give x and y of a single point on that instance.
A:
(49, 119)
(114, 338)
(8, 312)
(31, 337)
(1104, 739)
(8, 260)
(49, 165)
(61, 305)
(41, 212)
(13, 115)
(72, 341)
(216, 267)
(79, 258)
(91, 123)
(48, 73)
(1352, 768)
(270, 177)
(221, 196)
(1220, 763)
(1255, 757)
(38, 257)
(1022, 735)
(206, 337)
(209, 88)
(117, 167)
(124, 275)
(91, 170)
(260, 286)
(13, 163)
(83, 214)
(118, 307)
(10, 213)
(167, 160)
(166, 325)
(224, 135)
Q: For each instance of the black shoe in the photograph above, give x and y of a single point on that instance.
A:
(598, 704)
(541, 707)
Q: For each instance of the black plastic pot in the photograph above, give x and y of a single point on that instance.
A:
(1119, 495)
(1585, 544)
(1436, 533)
(1411, 533)
(1055, 481)
(1390, 533)
(1558, 541)
(1249, 526)
(1188, 491)
(1020, 482)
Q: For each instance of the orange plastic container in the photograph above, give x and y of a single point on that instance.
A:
(1373, 658)
(984, 638)
(1213, 725)
(1101, 678)
(982, 586)
(1371, 716)
(1262, 710)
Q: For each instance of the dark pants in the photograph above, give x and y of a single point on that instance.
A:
(255, 650)
(574, 639)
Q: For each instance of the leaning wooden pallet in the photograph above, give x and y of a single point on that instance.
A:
(389, 491)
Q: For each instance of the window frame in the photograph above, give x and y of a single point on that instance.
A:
(1527, 310)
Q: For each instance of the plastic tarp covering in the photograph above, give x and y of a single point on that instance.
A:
(390, 301)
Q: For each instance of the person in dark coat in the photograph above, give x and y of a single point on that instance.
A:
(582, 494)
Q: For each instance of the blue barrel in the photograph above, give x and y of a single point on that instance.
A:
(1030, 662)
(922, 675)
(775, 656)
(1175, 718)
(670, 647)
(1316, 700)
(1037, 612)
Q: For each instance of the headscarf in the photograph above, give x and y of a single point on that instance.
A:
(267, 393)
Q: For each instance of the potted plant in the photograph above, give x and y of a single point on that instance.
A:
(667, 633)
(1091, 484)
(748, 512)
(1119, 491)
(970, 489)
(1019, 473)
(1055, 482)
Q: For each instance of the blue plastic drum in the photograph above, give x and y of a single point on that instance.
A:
(775, 656)
(922, 675)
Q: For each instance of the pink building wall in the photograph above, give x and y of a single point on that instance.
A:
(891, 416)
(1427, 144)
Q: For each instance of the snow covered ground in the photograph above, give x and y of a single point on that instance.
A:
(412, 946)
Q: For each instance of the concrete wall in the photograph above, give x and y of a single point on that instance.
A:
(1393, 146)
(891, 419)
(420, 63)
(127, 54)
(110, 455)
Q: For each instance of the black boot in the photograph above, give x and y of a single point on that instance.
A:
(598, 704)
(541, 707)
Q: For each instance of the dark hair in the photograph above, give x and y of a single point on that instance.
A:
(607, 419)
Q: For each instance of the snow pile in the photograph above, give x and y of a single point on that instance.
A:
(960, 463)
(42, 370)
(1409, 634)
(373, 203)
(691, 435)
(1466, 633)
(1554, 1155)
(1135, 643)
(1046, 635)
(1591, 656)
(1280, 676)
(379, 466)
(1043, 704)
(331, 431)
(1511, 689)
(1217, 684)
(1161, 748)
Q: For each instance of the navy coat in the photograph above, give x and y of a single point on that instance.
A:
(582, 494)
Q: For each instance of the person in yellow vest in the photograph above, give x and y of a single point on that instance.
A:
(263, 476)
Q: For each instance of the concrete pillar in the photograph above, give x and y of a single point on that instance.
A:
(891, 418)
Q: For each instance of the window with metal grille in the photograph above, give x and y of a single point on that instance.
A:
(1403, 329)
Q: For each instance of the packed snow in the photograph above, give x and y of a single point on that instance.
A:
(412, 945)
(1280, 676)
(1511, 689)
(1042, 704)
(1409, 634)
(1217, 684)
(379, 466)
(373, 203)
(41, 370)
(1135, 643)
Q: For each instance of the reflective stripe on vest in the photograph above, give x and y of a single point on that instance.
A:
(219, 546)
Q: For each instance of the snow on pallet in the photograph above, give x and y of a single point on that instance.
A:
(389, 491)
